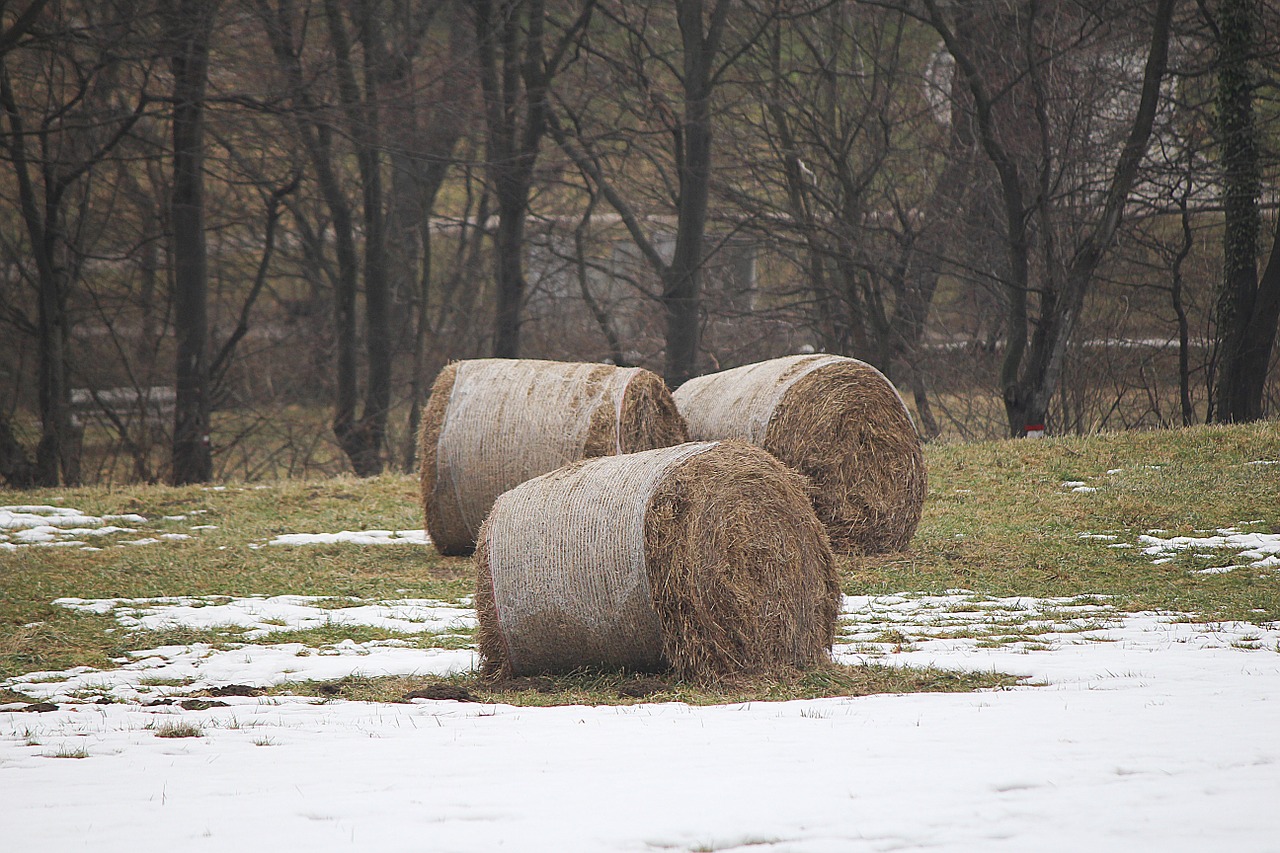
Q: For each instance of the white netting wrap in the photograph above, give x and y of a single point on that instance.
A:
(510, 420)
(567, 561)
(740, 402)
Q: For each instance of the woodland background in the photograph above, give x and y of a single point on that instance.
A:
(239, 238)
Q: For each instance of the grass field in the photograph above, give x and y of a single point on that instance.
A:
(1050, 519)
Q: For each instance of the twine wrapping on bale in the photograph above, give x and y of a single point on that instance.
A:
(838, 421)
(491, 424)
(705, 559)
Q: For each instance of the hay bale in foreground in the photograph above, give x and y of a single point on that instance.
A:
(491, 424)
(705, 559)
(836, 420)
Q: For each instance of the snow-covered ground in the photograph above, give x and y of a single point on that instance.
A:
(1141, 732)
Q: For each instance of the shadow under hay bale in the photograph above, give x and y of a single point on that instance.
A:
(836, 420)
(705, 559)
(491, 424)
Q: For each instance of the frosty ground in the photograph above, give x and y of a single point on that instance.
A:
(1133, 731)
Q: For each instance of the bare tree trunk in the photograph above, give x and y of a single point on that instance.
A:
(52, 462)
(1248, 307)
(515, 74)
(192, 23)
(1175, 295)
(682, 279)
(511, 65)
(1260, 334)
(16, 467)
(316, 134)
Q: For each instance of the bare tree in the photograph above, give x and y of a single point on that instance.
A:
(516, 67)
(693, 66)
(1012, 111)
(57, 134)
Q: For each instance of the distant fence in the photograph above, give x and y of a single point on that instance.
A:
(152, 406)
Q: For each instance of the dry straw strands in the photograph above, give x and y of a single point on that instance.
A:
(836, 420)
(491, 424)
(706, 559)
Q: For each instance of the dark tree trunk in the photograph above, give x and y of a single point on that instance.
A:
(1184, 333)
(509, 267)
(1259, 337)
(363, 440)
(16, 468)
(192, 453)
(55, 452)
(515, 70)
(513, 81)
(682, 279)
(316, 133)
(1247, 307)
(427, 146)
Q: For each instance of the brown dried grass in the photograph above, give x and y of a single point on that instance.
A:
(846, 429)
(445, 525)
(740, 568)
(740, 571)
(649, 417)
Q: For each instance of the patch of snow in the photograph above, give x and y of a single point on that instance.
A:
(355, 537)
(51, 526)
(1261, 549)
(1161, 731)
(279, 613)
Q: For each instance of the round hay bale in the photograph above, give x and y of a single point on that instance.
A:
(705, 559)
(491, 424)
(836, 420)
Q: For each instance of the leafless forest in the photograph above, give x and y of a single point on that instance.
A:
(239, 238)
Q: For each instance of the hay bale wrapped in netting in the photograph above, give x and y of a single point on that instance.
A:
(491, 424)
(705, 559)
(836, 420)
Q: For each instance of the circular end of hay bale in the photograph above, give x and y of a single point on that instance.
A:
(844, 426)
(491, 424)
(741, 569)
(649, 418)
(705, 559)
(445, 526)
(836, 420)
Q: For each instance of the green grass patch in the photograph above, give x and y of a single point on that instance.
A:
(329, 635)
(177, 729)
(998, 521)
(591, 687)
